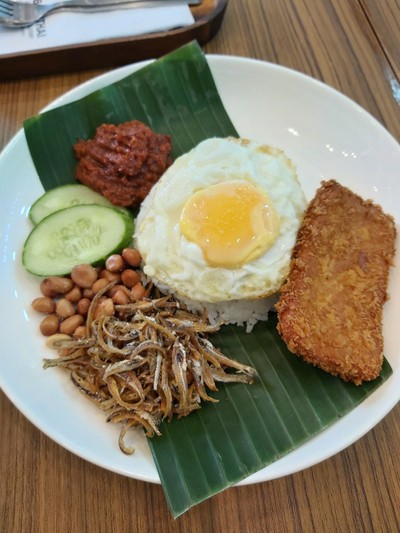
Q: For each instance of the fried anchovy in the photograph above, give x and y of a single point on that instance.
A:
(150, 361)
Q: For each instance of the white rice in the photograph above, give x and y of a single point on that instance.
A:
(244, 313)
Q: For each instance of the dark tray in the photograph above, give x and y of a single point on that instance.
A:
(114, 52)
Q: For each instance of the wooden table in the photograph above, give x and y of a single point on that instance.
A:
(352, 45)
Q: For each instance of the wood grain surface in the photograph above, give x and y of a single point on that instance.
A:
(352, 45)
(385, 22)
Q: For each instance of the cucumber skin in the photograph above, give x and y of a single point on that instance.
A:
(124, 241)
(64, 191)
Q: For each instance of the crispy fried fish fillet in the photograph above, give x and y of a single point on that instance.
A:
(330, 308)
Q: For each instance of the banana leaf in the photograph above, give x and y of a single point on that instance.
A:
(251, 426)
(290, 402)
(176, 95)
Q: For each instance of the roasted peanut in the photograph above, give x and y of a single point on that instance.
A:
(110, 276)
(138, 291)
(88, 293)
(120, 296)
(110, 293)
(130, 278)
(115, 263)
(99, 285)
(66, 300)
(64, 308)
(59, 284)
(105, 307)
(46, 290)
(83, 306)
(74, 295)
(132, 256)
(49, 325)
(84, 275)
(80, 332)
(44, 304)
(69, 325)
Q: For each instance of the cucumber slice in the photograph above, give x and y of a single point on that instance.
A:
(62, 197)
(80, 234)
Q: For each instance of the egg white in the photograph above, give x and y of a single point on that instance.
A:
(173, 261)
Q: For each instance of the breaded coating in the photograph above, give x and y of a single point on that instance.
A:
(330, 308)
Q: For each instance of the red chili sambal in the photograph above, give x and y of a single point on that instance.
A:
(122, 162)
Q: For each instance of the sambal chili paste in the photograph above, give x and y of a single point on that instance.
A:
(122, 162)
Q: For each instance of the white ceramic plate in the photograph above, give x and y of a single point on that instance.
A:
(326, 135)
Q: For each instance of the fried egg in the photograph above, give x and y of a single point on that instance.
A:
(221, 223)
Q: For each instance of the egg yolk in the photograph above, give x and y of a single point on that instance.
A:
(232, 222)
